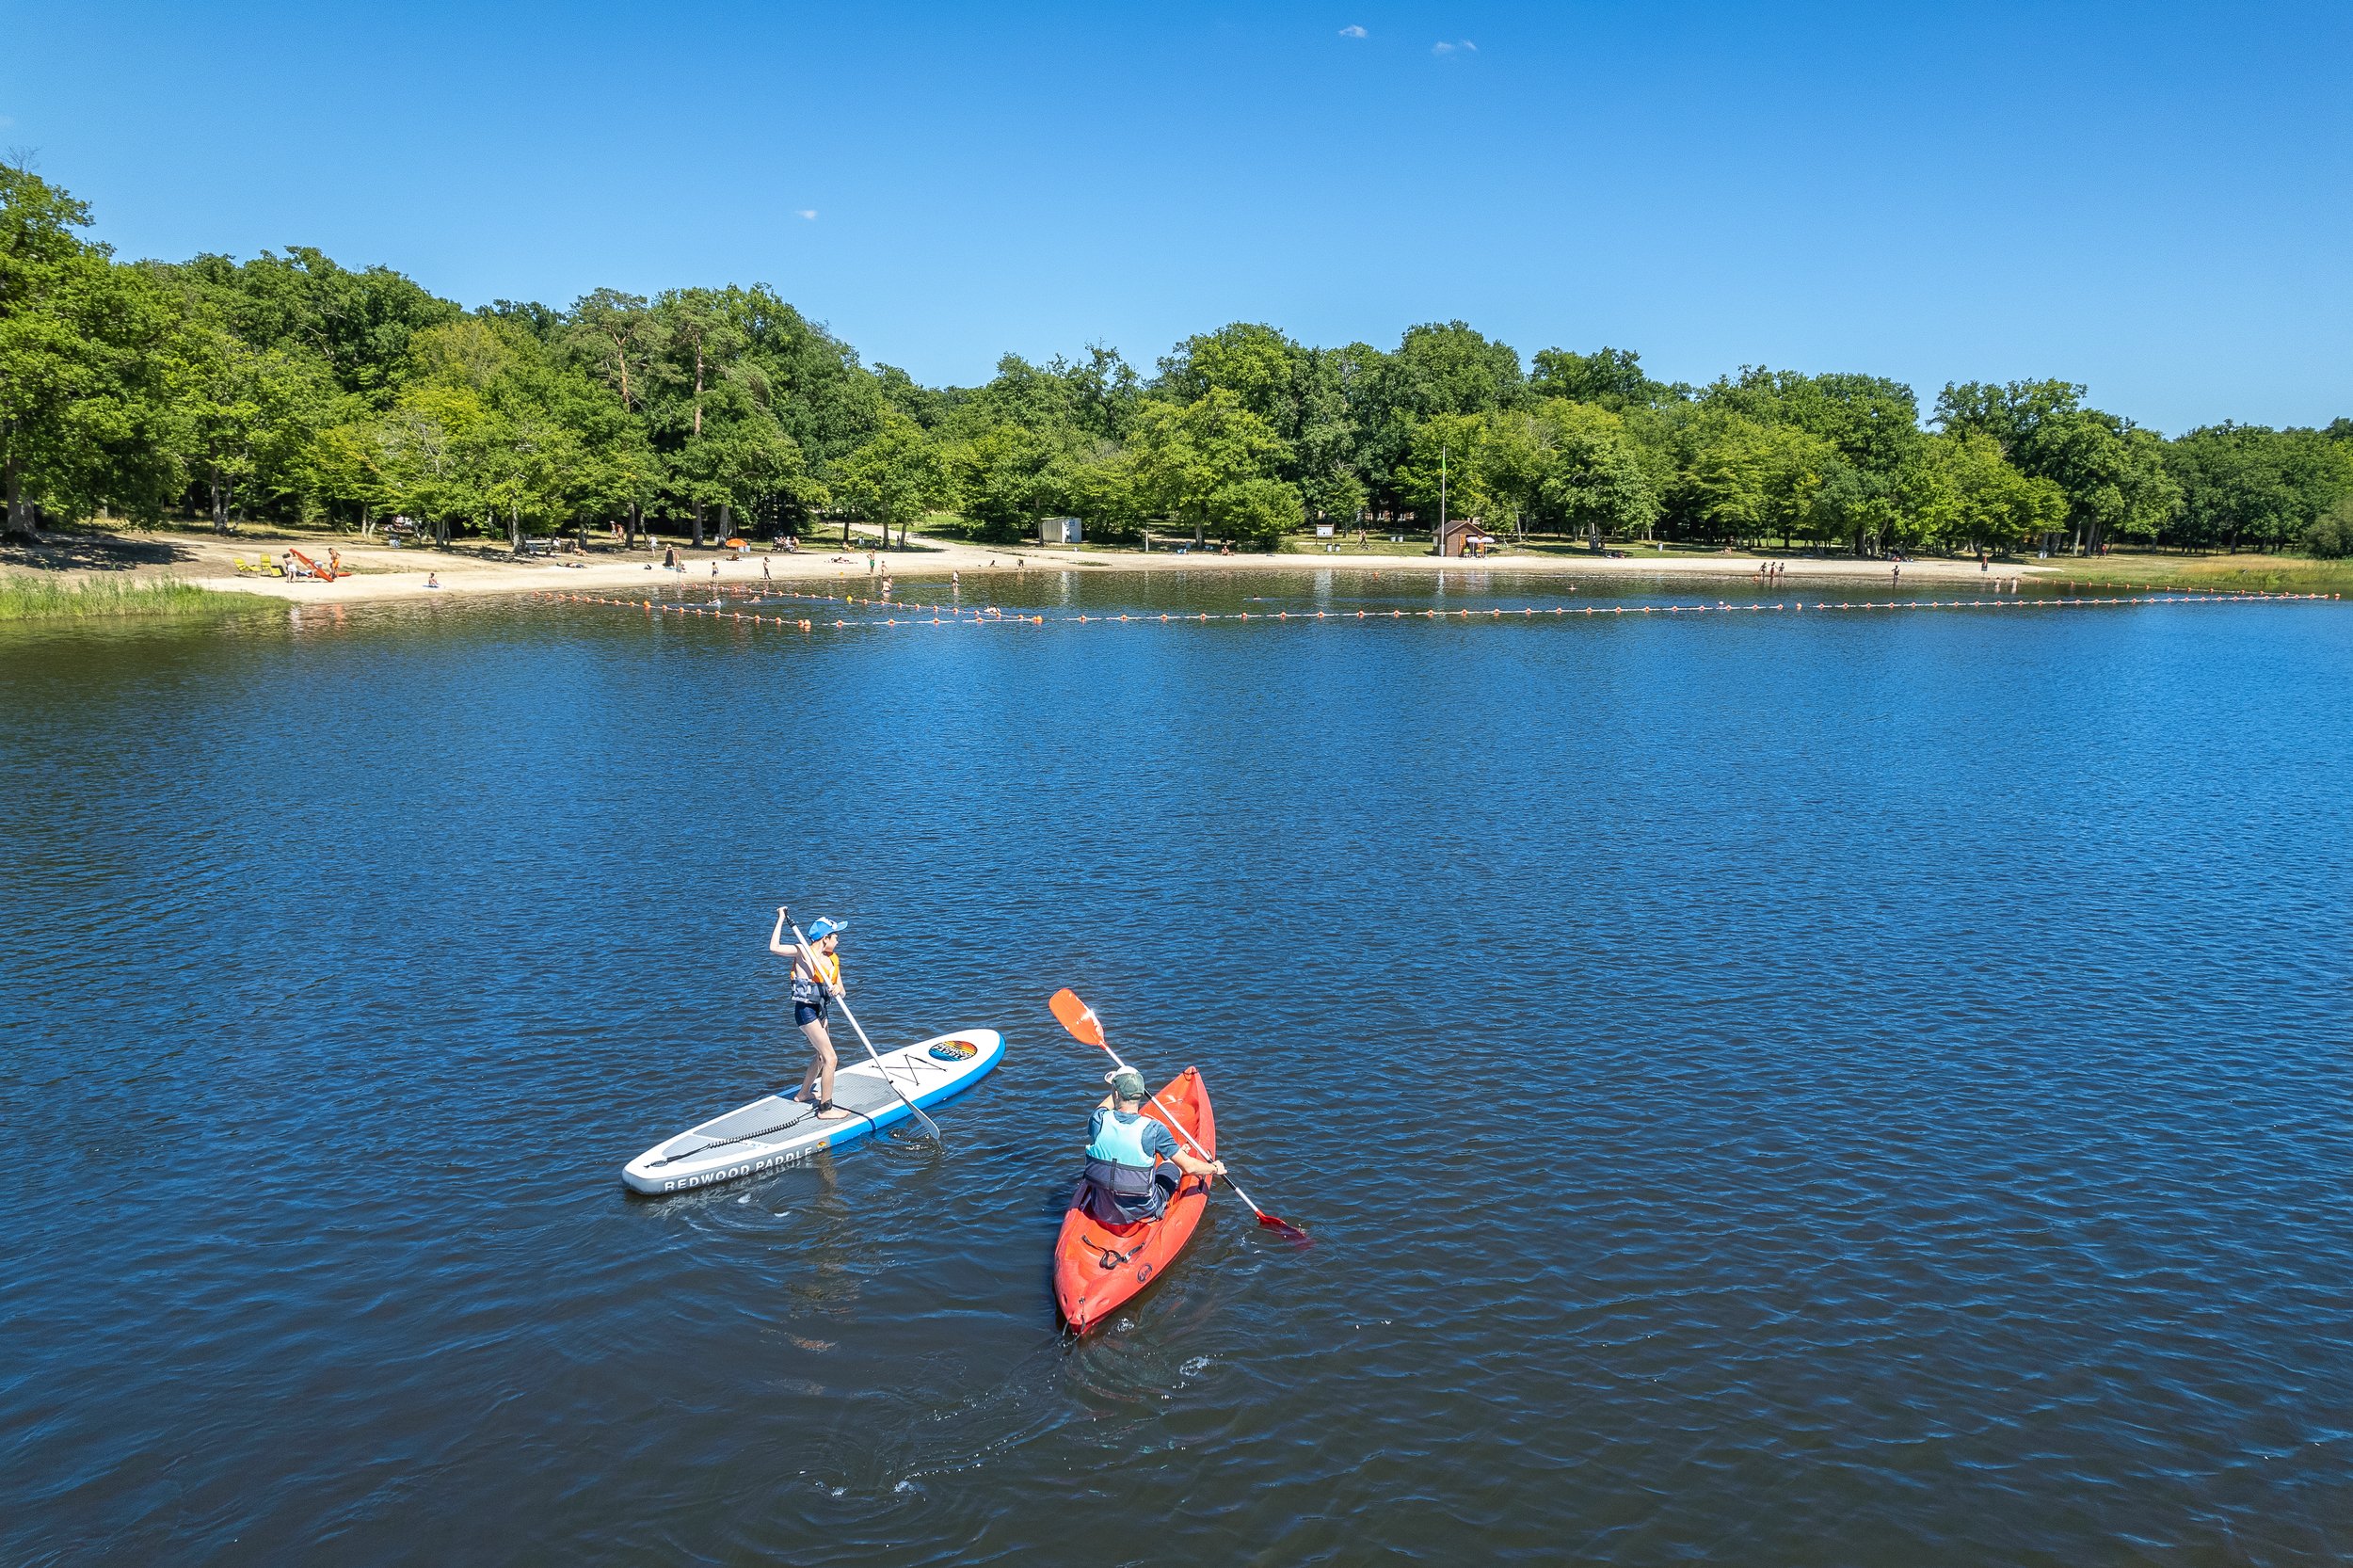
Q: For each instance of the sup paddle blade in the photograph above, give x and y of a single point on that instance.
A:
(1078, 1017)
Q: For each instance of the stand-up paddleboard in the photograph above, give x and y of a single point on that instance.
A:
(774, 1132)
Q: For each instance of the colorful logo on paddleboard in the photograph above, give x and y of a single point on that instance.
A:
(955, 1050)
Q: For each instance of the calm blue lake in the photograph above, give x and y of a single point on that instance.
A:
(1775, 1088)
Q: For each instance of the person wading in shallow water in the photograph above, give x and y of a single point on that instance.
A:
(1132, 1160)
(813, 989)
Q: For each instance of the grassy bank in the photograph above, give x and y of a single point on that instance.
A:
(2278, 574)
(24, 598)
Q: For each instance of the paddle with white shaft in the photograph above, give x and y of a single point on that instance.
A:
(808, 956)
(1080, 1019)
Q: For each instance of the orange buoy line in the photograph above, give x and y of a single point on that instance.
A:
(944, 615)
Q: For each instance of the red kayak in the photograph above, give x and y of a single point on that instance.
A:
(1099, 1268)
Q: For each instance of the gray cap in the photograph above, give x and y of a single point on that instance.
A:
(1128, 1084)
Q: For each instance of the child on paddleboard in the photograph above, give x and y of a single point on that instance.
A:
(813, 986)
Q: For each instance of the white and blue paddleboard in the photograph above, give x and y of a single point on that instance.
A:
(773, 1132)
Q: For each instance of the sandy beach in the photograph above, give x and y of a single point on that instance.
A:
(380, 570)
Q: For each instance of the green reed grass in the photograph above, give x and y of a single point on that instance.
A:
(28, 598)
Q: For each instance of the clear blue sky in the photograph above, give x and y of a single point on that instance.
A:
(2151, 199)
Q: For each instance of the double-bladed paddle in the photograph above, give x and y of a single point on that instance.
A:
(1080, 1019)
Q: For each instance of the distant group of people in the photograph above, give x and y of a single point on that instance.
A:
(292, 565)
(1769, 573)
(789, 543)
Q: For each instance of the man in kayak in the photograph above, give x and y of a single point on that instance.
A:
(1132, 1160)
(813, 989)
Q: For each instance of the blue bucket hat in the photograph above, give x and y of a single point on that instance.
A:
(819, 930)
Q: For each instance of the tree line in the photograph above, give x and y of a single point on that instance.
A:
(288, 387)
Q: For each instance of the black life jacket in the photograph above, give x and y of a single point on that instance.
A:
(1115, 1194)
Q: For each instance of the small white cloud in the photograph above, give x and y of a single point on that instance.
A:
(1352, 30)
(1466, 45)
(809, 212)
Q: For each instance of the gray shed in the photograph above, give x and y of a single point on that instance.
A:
(1057, 530)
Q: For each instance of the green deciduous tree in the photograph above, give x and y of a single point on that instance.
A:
(894, 478)
(288, 386)
(1610, 379)
(1748, 480)
(1004, 478)
(1965, 496)
(1262, 368)
(2330, 535)
(1871, 422)
(355, 324)
(2113, 474)
(1445, 470)
(91, 354)
(2247, 484)
(1213, 463)
(1591, 481)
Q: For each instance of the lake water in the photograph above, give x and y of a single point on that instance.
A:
(1783, 1088)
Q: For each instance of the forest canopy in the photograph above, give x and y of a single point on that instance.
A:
(292, 388)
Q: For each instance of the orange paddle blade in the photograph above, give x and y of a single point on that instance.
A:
(1076, 1016)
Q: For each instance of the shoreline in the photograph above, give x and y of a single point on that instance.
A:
(383, 572)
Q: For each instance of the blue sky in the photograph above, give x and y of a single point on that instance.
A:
(2150, 199)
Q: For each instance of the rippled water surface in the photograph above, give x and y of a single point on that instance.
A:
(1775, 1088)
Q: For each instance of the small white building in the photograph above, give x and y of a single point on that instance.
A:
(1051, 531)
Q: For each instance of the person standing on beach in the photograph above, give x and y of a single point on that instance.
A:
(816, 980)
